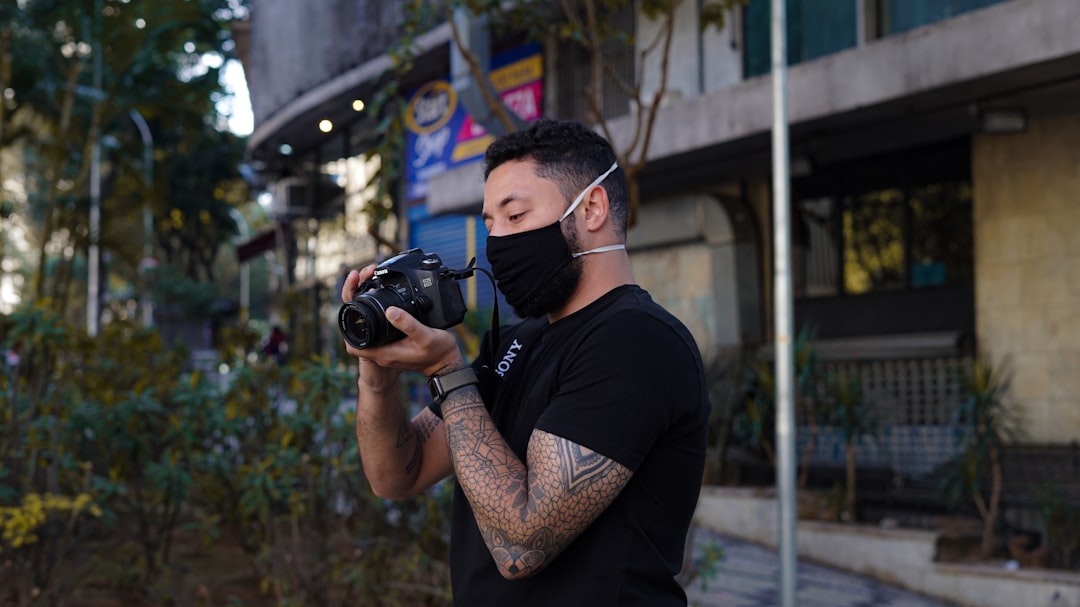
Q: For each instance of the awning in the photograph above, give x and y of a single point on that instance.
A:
(257, 245)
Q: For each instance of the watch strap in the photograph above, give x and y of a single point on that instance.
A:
(442, 385)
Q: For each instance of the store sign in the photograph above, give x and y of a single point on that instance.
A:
(440, 133)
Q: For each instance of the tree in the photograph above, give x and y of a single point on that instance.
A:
(580, 23)
(73, 78)
(852, 415)
(985, 422)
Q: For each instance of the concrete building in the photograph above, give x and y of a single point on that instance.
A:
(935, 159)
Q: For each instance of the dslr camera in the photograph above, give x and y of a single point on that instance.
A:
(414, 281)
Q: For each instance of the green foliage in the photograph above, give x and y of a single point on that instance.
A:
(125, 473)
(75, 73)
(701, 562)
(175, 291)
(850, 411)
(985, 422)
(755, 422)
(1061, 520)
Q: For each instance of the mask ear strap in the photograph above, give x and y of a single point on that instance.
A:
(605, 249)
(581, 196)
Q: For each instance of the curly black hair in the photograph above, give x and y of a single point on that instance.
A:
(568, 153)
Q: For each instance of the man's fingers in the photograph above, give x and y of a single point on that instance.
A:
(402, 320)
(349, 286)
(353, 280)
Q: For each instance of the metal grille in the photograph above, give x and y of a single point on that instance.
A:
(912, 402)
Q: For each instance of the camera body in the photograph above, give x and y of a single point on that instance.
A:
(414, 281)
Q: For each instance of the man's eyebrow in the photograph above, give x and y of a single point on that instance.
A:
(512, 196)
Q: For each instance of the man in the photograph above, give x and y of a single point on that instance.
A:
(578, 441)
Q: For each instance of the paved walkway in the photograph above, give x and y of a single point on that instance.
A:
(748, 576)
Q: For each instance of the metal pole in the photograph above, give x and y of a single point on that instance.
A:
(784, 317)
(93, 254)
(245, 267)
(145, 300)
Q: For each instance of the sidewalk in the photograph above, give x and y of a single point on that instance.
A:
(749, 576)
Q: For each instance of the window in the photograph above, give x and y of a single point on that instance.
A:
(814, 28)
(873, 242)
(900, 229)
(895, 16)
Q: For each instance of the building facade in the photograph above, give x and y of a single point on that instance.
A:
(935, 176)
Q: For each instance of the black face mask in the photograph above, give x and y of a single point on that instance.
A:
(527, 262)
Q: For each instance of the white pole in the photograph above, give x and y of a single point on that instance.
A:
(245, 267)
(784, 317)
(145, 299)
(93, 254)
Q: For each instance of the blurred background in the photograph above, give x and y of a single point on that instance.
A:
(180, 177)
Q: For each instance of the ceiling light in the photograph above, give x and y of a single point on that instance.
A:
(325, 125)
(1002, 120)
(358, 105)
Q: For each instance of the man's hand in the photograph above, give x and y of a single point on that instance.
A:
(401, 457)
(423, 349)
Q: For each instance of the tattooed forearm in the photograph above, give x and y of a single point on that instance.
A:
(414, 459)
(520, 559)
(405, 430)
(526, 515)
(425, 426)
(421, 429)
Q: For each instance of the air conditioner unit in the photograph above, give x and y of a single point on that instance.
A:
(295, 197)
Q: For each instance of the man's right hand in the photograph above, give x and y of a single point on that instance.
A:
(401, 456)
(375, 378)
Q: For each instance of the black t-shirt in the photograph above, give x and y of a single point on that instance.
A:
(621, 377)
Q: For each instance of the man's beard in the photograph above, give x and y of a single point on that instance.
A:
(553, 294)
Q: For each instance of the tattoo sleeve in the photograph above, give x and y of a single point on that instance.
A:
(527, 515)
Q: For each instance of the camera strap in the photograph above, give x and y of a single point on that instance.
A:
(469, 272)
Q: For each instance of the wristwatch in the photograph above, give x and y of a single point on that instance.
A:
(441, 385)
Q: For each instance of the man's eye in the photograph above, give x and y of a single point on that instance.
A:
(514, 217)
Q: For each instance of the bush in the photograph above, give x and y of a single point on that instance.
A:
(125, 475)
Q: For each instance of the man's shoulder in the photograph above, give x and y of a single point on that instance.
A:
(633, 305)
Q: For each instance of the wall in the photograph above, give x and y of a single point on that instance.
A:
(296, 46)
(980, 44)
(1027, 269)
(686, 259)
(700, 61)
(682, 78)
(904, 557)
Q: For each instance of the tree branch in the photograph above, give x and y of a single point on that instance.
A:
(658, 94)
(493, 103)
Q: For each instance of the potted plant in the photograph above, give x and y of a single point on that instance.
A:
(984, 423)
(850, 413)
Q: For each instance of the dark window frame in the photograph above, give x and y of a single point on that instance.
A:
(909, 308)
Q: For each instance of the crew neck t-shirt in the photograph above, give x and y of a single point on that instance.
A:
(621, 377)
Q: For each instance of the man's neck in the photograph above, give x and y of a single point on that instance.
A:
(601, 273)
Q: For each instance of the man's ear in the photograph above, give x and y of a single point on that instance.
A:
(597, 208)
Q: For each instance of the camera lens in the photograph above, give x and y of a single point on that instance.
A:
(363, 321)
